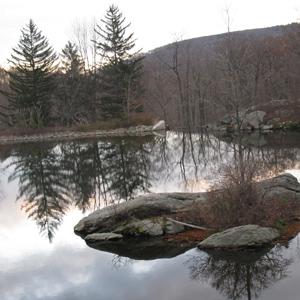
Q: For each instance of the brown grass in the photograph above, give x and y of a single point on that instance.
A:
(193, 235)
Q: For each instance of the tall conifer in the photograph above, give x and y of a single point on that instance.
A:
(31, 78)
(121, 66)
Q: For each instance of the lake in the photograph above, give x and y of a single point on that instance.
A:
(46, 188)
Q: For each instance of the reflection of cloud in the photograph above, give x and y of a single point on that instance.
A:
(86, 274)
(69, 273)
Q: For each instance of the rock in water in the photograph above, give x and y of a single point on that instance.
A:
(110, 218)
(145, 215)
(160, 125)
(240, 237)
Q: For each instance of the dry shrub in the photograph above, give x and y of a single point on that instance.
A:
(235, 200)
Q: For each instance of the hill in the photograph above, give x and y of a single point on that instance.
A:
(194, 82)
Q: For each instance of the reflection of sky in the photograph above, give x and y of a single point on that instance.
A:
(82, 273)
(31, 268)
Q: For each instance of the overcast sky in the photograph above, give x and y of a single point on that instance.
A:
(155, 22)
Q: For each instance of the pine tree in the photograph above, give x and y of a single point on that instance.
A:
(121, 69)
(70, 89)
(31, 78)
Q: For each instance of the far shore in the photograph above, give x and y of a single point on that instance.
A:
(52, 134)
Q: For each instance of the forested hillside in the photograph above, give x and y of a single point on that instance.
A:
(195, 82)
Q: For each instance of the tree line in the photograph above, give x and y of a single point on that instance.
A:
(42, 88)
(188, 83)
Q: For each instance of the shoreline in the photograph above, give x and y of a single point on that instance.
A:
(141, 130)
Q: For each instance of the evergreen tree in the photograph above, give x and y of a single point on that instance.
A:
(70, 90)
(121, 68)
(31, 78)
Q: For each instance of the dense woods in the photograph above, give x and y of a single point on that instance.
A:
(101, 76)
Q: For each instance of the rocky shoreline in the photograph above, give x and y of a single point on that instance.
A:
(277, 115)
(133, 225)
(141, 130)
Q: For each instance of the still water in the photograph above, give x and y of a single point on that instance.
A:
(45, 189)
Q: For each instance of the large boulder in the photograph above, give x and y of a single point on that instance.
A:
(241, 237)
(254, 119)
(113, 217)
(283, 187)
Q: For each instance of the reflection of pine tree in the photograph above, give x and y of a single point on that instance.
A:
(41, 186)
(102, 172)
(77, 160)
(127, 163)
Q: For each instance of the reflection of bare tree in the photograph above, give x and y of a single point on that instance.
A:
(236, 275)
(198, 155)
(1, 191)
(119, 262)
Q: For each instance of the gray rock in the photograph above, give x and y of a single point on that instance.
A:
(160, 125)
(283, 187)
(150, 227)
(105, 236)
(254, 119)
(146, 227)
(267, 127)
(241, 237)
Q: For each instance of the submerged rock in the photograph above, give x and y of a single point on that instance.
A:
(241, 237)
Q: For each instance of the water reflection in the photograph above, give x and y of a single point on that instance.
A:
(245, 274)
(42, 186)
(89, 174)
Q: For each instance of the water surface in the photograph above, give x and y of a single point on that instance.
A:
(45, 189)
